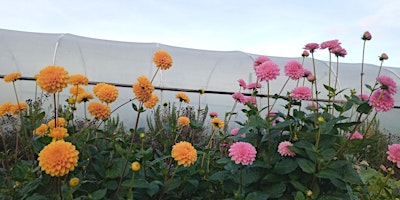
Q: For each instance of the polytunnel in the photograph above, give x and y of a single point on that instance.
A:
(120, 63)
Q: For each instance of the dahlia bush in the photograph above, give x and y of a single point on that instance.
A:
(298, 143)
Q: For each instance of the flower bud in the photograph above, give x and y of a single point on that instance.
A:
(383, 56)
(305, 54)
(73, 182)
(135, 166)
(366, 36)
(311, 78)
(309, 193)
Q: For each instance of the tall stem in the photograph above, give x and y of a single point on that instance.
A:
(336, 80)
(362, 67)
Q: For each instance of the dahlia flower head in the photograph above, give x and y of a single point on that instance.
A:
(366, 36)
(260, 60)
(242, 83)
(387, 84)
(252, 86)
(52, 79)
(183, 121)
(217, 123)
(213, 114)
(78, 79)
(381, 100)
(184, 153)
(250, 99)
(363, 97)
(294, 70)
(267, 71)
(99, 110)
(339, 51)
(311, 47)
(242, 153)
(152, 102)
(330, 44)
(182, 97)
(383, 56)
(283, 149)
(58, 158)
(162, 60)
(393, 154)
(12, 77)
(301, 93)
(355, 135)
(105, 92)
(143, 89)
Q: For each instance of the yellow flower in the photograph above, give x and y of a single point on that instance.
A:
(84, 96)
(143, 89)
(61, 122)
(97, 87)
(58, 158)
(135, 166)
(183, 121)
(141, 135)
(184, 153)
(73, 182)
(41, 130)
(6, 107)
(58, 133)
(162, 60)
(182, 97)
(12, 77)
(201, 91)
(52, 79)
(217, 123)
(78, 79)
(99, 110)
(106, 93)
(71, 100)
(19, 107)
(152, 101)
(76, 90)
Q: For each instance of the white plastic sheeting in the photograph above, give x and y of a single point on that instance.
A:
(193, 69)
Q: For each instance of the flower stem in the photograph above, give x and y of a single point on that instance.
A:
(362, 67)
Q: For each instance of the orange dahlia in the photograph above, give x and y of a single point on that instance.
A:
(41, 130)
(152, 101)
(143, 89)
(162, 59)
(84, 96)
(106, 92)
(217, 123)
(61, 122)
(58, 158)
(58, 133)
(6, 107)
(76, 90)
(12, 77)
(78, 79)
(19, 107)
(99, 110)
(184, 153)
(182, 97)
(183, 121)
(52, 79)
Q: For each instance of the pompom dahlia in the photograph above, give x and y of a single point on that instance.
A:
(301, 93)
(381, 100)
(152, 101)
(41, 130)
(260, 60)
(12, 77)
(283, 149)
(182, 97)
(183, 121)
(394, 154)
(58, 158)
(58, 133)
(184, 153)
(267, 71)
(162, 59)
(106, 93)
(78, 79)
(387, 84)
(294, 70)
(84, 96)
(99, 110)
(52, 79)
(143, 89)
(61, 122)
(242, 153)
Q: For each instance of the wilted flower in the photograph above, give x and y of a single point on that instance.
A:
(58, 158)
(217, 123)
(366, 36)
(184, 153)
(301, 93)
(12, 77)
(99, 110)
(242, 153)
(52, 79)
(162, 60)
(283, 149)
(201, 91)
(182, 97)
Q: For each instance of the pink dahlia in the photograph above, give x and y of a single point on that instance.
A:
(242, 152)
(381, 100)
(250, 99)
(301, 93)
(355, 135)
(242, 83)
(366, 36)
(330, 44)
(387, 84)
(339, 51)
(251, 86)
(363, 97)
(306, 72)
(238, 97)
(394, 154)
(294, 70)
(213, 114)
(234, 131)
(311, 47)
(283, 149)
(260, 60)
(267, 71)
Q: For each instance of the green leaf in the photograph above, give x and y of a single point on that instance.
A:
(327, 154)
(219, 176)
(285, 166)
(275, 190)
(258, 195)
(299, 196)
(153, 188)
(99, 194)
(306, 165)
(364, 108)
(299, 186)
(328, 173)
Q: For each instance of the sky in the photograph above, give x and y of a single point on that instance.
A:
(272, 28)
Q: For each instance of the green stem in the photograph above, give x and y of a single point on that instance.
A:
(362, 67)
